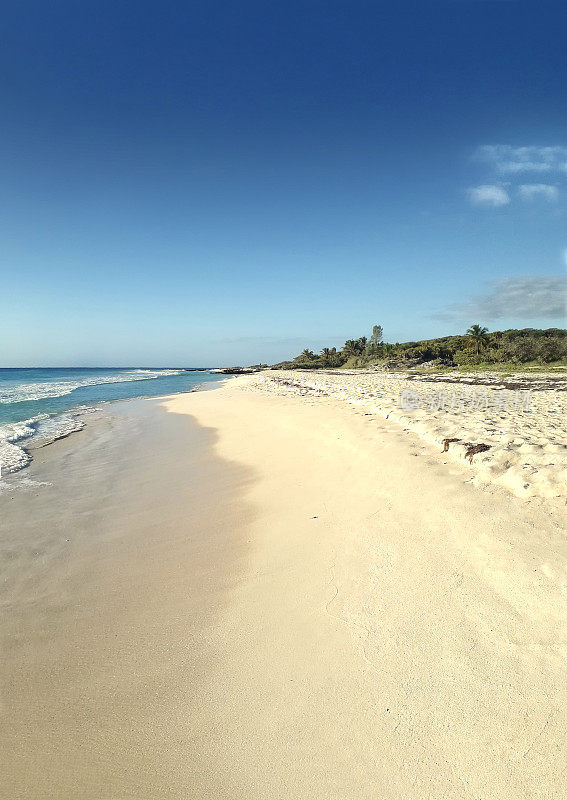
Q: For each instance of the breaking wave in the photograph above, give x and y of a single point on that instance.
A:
(23, 392)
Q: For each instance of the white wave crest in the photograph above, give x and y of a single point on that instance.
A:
(40, 391)
(42, 430)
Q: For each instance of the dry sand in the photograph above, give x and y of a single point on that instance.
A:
(329, 608)
(519, 419)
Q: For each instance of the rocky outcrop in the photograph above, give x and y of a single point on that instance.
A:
(234, 370)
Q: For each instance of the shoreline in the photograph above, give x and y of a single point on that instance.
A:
(370, 389)
(226, 593)
(82, 414)
(114, 565)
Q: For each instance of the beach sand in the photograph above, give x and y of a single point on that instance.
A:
(292, 598)
(518, 419)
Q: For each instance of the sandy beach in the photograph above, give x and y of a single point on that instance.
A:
(283, 401)
(510, 427)
(264, 591)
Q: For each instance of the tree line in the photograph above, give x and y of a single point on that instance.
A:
(476, 346)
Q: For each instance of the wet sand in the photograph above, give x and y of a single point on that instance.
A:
(293, 598)
(112, 576)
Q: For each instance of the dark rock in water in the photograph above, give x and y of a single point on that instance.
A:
(235, 370)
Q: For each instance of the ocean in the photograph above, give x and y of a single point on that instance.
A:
(42, 405)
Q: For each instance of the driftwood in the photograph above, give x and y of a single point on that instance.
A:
(447, 442)
(473, 449)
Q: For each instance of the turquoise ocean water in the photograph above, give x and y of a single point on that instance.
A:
(46, 404)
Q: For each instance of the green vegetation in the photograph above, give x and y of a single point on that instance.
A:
(476, 348)
(479, 337)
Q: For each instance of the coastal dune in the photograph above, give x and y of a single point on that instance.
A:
(292, 598)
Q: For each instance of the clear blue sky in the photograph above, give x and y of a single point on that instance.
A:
(221, 182)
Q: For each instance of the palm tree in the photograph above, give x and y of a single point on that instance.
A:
(306, 355)
(325, 355)
(478, 336)
(350, 348)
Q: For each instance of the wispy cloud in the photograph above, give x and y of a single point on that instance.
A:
(510, 160)
(538, 191)
(488, 194)
(507, 166)
(525, 298)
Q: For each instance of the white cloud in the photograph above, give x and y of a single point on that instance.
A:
(488, 195)
(526, 298)
(536, 191)
(513, 160)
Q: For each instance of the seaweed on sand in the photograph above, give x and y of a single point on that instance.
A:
(473, 449)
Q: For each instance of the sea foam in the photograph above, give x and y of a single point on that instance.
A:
(23, 392)
(41, 430)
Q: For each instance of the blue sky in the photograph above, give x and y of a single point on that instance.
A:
(205, 183)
